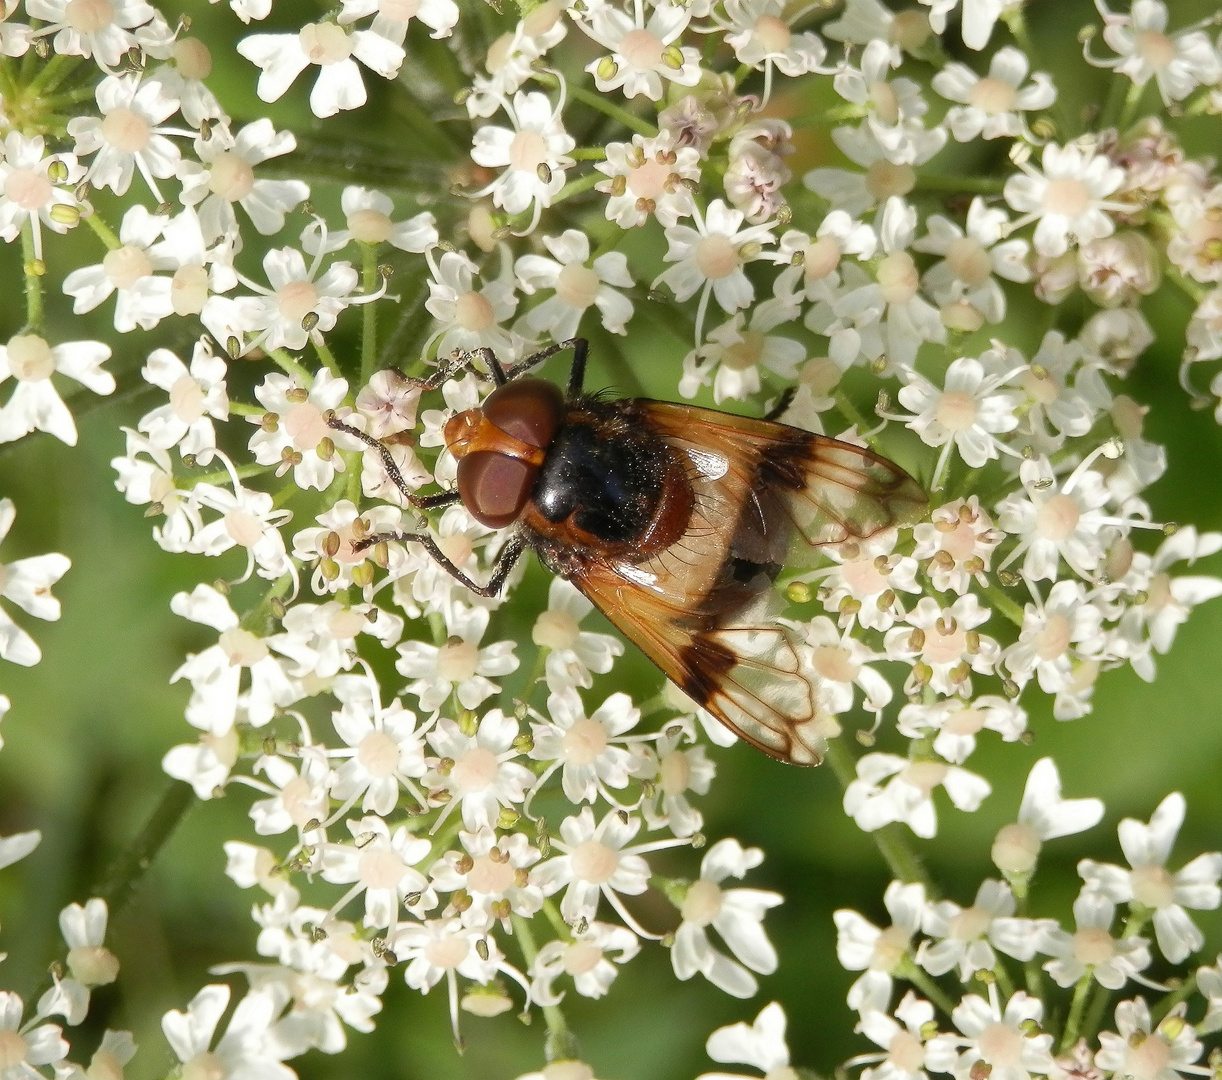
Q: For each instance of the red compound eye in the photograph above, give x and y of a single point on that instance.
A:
(528, 409)
(494, 487)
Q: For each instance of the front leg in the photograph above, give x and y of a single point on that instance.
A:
(510, 553)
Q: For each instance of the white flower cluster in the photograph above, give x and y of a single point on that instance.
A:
(449, 815)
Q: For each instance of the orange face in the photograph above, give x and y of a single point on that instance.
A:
(501, 446)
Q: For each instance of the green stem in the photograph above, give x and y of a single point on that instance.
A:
(326, 355)
(223, 476)
(52, 74)
(1180, 993)
(369, 314)
(1193, 290)
(241, 408)
(69, 97)
(291, 366)
(849, 411)
(606, 106)
(579, 186)
(103, 231)
(561, 1042)
(120, 881)
(1132, 101)
(1100, 998)
(1005, 605)
(1004, 983)
(588, 153)
(973, 185)
(891, 842)
(921, 980)
(1074, 1022)
(33, 279)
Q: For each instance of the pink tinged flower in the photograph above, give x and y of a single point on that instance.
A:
(469, 317)
(710, 259)
(573, 653)
(244, 1049)
(130, 135)
(495, 874)
(642, 53)
(945, 645)
(143, 298)
(197, 396)
(369, 219)
(736, 914)
(388, 403)
(340, 529)
(674, 772)
(534, 153)
(1144, 1052)
(460, 665)
(866, 582)
(958, 541)
(478, 771)
(968, 936)
(577, 287)
(1069, 198)
(1043, 815)
(1091, 949)
(862, 946)
(391, 18)
(35, 404)
(380, 863)
(1178, 62)
(225, 174)
(762, 1045)
(91, 28)
(26, 583)
(590, 960)
(339, 85)
(216, 673)
(908, 793)
(841, 661)
(1150, 884)
(1006, 1042)
(649, 176)
(737, 349)
(300, 438)
(28, 192)
(993, 106)
(956, 723)
(28, 1048)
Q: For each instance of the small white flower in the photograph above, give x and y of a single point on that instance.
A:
(35, 404)
(460, 665)
(100, 31)
(197, 397)
(27, 583)
(1069, 198)
(643, 53)
(866, 582)
(470, 318)
(993, 106)
(1006, 1042)
(893, 108)
(1091, 948)
(737, 349)
(40, 1046)
(958, 541)
(587, 959)
(1140, 1050)
(761, 1045)
(862, 946)
(225, 174)
(245, 1045)
(130, 135)
(1056, 633)
(483, 776)
(855, 192)
(368, 215)
(381, 864)
(573, 653)
(584, 746)
(904, 1042)
(534, 153)
(577, 287)
(946, 643)
(1179, 62)
(736, 914)
(339, 85)
(1043, 815)
(300, 428)
(391, 18)
(648, 176)
(968, 936)
(495, 872)
(27, 192)
(979, 18)
(958, 722)
(1150, 884)
(908, 795)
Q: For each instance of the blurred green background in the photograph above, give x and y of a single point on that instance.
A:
(90, 724)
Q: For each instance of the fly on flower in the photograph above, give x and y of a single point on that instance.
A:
(674, 521)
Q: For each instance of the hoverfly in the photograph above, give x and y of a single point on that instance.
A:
(673, 520)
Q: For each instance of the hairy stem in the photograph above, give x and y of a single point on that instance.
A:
(369, 314)
(33, 278)
(126, 871)
(561, 1042)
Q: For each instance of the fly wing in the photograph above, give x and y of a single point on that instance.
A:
(705, 609)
